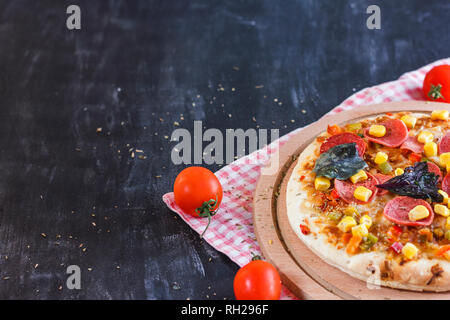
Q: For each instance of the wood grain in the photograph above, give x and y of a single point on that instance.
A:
(302, 271)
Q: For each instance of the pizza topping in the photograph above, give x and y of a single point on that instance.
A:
(397, 247)
(362, 193)
(334, 130)
(360, 230)
(444, 144)
(358, 177)
(418, 213)
(430, 149)
(377, 130)
(346, 224)
(441, 210)
(369, 242)
(397, 210)
(434, 169)
(412, 144)
(396, 133)
(322, 183)
(439, 115)
(366, 220)
(353, 244)
(347, 190)
(399, 171)
(444, 195)
(409, 251)
(446, 184)
(444, 159)
(394, 233)
(342, 138)
(385, 167)
(340, 162)
(382, 178)
(425, 136)
(409, 121)
(381, 157)
(417, 182)
(305, 229)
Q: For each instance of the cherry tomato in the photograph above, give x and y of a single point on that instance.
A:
(257, 280)
(436, 85)
(198, 192)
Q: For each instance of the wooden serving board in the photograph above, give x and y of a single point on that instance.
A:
(303, 272)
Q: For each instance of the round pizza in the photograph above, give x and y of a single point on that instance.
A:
(372, 198)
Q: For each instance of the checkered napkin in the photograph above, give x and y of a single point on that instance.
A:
(231, 230)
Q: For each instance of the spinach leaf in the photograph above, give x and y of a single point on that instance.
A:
(340, 162)
(416, 182)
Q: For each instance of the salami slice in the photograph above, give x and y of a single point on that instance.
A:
(396, 133)
(342, 138)
(346, 189)
(446, 183)
(398, 208)
(444, 144)
(435, 169)
(382, 178)
(412, 144)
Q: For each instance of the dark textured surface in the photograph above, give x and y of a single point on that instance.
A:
(68, 196)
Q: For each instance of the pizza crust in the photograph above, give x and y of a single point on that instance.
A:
(373, 267)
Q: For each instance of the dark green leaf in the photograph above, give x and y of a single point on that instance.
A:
(340, 162)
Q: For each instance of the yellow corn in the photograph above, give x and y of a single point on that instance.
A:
(409, 250)
(447, 223)
(360, 230)
(399, 171)
(366, 220)
(447, 255)
(430, 149)
(409, 121)
(362, 193)
(346, 224)
(439, 115)
(418, 213)
(377, 130)
(444, 195)
(442, 210)
(360, 176)
(350, 211)
(444, 159)
(425, 136)
(381, 157)
(322, 183)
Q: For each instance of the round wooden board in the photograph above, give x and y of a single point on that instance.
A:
(303, 272)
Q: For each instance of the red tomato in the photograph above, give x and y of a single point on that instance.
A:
(198, 192)
(436, 85)
(257, 280)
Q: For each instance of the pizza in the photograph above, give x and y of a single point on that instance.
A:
(371, 198)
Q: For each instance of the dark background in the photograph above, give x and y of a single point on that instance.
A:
(72, 195)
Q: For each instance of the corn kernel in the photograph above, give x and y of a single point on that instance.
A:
(425, 136)
(366, 220)
(444, 159)
(418, 213)
(346, 224)
(399, 171)
(409, 121)
(381, 157)
(447, 255)
(360, 230)
(447, 167)
(360, 176)
(439, 115)
(362, 193)
(322, 183)
(377, 130)
(444, 195)
(430, 149)
(409, 250)
(351, 211)
(442, 210)
(447, 223)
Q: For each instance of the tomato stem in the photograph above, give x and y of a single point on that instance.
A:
(435, 92)
(207, 211)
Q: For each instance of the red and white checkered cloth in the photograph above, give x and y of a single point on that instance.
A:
(231, 230)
